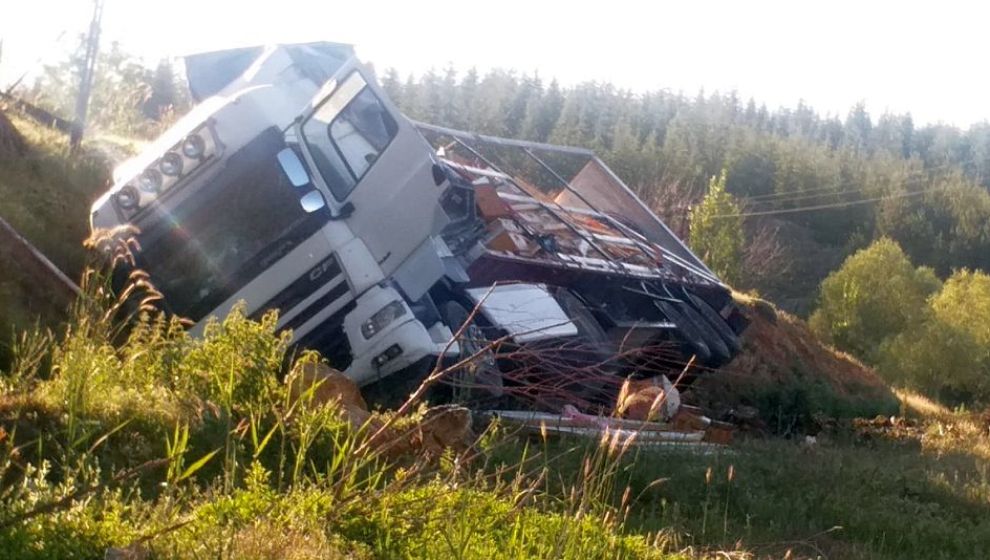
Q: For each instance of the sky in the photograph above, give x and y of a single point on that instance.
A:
(926, 58)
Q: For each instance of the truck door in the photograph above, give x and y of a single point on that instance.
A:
(376, 168)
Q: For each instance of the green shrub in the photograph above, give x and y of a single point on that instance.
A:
(81, 528)
(964, 303)
(797, 407)
(948, 354)
(237, 363)
(877, 293)
(937, 359)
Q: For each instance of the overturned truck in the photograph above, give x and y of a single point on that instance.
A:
(392, 246)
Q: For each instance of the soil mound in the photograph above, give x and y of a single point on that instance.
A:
(793, 380)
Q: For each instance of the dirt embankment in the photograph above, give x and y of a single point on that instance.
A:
(789, 379)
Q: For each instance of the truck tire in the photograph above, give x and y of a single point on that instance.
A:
(480, 378)
(686, 331)
(603, 392)
(585, 321)
(730, 338)
(720, 354)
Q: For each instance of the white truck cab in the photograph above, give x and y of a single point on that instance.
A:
(221, 221)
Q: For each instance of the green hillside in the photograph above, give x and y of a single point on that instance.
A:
(45, 194)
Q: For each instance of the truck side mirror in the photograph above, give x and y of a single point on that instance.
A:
(293, 168)
(313, 201)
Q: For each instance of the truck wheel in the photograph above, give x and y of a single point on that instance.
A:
(686, 331)
(597, 351)
(479, 378)
(581, 316)
(720, 352)
(716, 321)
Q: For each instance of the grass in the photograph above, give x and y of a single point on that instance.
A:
(917, 489)
(842, 499)
(129, 433)
(187, 448)
(45, 196)
(133, 434)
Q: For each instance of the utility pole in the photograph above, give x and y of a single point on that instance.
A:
(86, 73)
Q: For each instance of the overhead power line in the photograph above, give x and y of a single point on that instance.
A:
(769, 196)
(831, 205)
(784, 199)
(804, 194)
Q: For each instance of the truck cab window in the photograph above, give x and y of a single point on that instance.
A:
(346, 147)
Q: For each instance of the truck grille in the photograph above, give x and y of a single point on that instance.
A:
(328, 336)
(315, 278)
(326, 300)
(329, 339)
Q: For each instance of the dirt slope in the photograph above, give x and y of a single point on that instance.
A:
(794, 380)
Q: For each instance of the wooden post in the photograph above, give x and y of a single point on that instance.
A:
(52, 284)
(86, 75)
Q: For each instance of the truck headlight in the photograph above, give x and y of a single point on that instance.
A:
(382, 318)
(171, 164)
(128, 198)
(150, 181)
(193, 146)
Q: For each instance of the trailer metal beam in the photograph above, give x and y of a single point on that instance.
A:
(609, 258)
(526, 144)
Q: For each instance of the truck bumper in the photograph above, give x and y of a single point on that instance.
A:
(397, 346)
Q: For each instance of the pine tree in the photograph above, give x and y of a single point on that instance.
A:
(542, 113)
(448, 115)
(716, 231)
(412, 99)
(626, 156)
(430, 98)
(466, 100)
(167, 97)
(859, 128)
(907, 134)
(529, 89)
(495, 94)
(393, 86)
(568, 130)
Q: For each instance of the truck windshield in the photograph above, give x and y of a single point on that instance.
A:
(345, 143)
(219, 239)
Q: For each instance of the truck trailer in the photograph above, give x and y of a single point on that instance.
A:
(296, 185)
